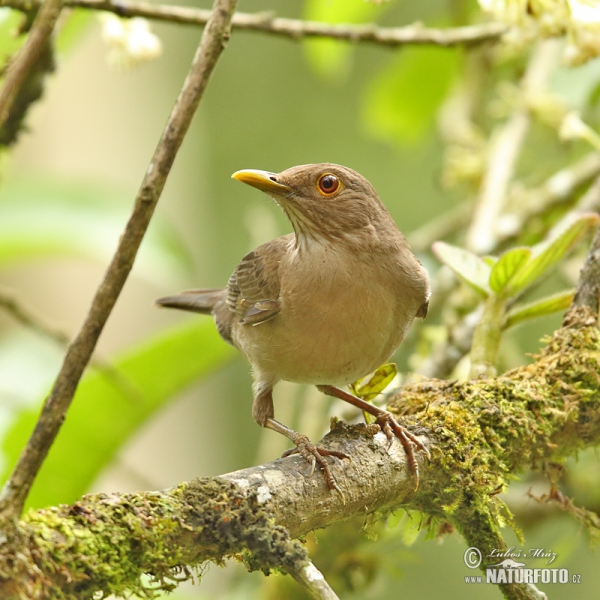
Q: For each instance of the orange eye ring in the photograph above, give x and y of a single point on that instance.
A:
(328, 184)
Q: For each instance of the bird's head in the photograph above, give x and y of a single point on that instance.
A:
(325, 202)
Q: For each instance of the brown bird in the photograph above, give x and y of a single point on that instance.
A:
(325, 305)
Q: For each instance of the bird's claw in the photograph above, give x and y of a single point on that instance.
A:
(392, 429)
(316, 455)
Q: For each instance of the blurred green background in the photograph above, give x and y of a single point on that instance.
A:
(167, 400)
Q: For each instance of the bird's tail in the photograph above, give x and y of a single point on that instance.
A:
(199, 301)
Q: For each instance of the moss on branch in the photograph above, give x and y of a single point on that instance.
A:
(108, 542)
(487, 430)
(480, 433)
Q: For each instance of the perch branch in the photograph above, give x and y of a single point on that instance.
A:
(267, 22)
(80, 350)
(475, 431)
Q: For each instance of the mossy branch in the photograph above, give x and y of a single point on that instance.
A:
(480, 530)
(479, 434)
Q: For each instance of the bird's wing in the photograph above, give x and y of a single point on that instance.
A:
(253, 289)
(423, 310)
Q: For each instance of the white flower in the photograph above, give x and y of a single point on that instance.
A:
(513, 12)
(579, 20)
(585, 12)
(583, 39)
(130, 41)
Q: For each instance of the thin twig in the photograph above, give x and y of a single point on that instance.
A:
(267, 22)
(440, 227)
(23, 316)
(31, 321)
(558, 189)
(28, 54)
(312, 580)
(80, 350)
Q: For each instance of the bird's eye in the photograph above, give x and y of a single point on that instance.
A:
(328, 184)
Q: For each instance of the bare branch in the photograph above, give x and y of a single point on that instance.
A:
(267, 22)
(80, 350)
(28, 54)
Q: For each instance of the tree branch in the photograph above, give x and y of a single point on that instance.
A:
(27, 56)
(80, 350)
(312, 580)
(267, 22)
(476, 433)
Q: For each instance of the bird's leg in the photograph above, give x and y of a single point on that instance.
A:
(388, 425)
(262, 406)
(263, 413)
(309, 452)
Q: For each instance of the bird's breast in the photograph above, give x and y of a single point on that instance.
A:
(340, 318)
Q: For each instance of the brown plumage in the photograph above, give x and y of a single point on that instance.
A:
(325, 305)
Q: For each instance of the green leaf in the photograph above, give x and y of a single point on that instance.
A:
(332, 58)
(73, 27)
(107, 410)
(468, 266)
(9, 25)
(507, 267)
(402, 100)
(552, 250)
(411, 527)
(382, 377)
(539, 308)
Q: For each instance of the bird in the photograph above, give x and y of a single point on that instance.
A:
(325, 305)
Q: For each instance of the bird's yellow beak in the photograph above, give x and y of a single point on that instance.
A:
(263, 180)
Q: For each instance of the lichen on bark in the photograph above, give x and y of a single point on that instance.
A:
(140, 543)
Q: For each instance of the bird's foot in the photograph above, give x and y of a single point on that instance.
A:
(388, 425)
(316, 455)
(393, 429)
